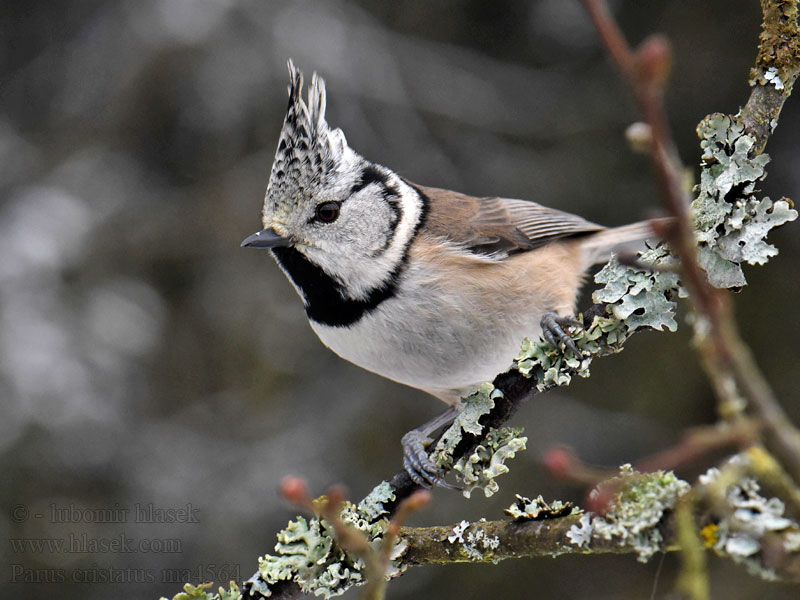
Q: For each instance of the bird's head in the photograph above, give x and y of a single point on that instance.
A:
(345, 215)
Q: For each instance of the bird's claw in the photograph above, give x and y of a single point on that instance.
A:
(553, 327)
(419, 466)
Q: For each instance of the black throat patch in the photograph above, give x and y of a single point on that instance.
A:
(324, 301)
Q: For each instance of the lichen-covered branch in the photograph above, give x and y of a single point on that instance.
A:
(646, 513)
(775, 71)
(730, 515)
(772, 78)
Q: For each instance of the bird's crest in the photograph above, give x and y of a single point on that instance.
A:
(309, 152)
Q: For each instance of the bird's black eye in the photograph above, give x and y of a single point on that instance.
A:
(327, 212)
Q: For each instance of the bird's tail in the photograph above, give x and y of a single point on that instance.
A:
(599, 247)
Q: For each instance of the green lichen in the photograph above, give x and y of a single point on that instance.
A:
(307, 553)
(778, 47)
(487, 462)
(303, 554)
(637, 509)
(640, 298)
(548, 363)
(772, 77)
(635, 297)
(479, 545)
(474, 407)
(476, 544)
(525, 509)
(730, 222)
(580, 534)
(792, 542)
(751, 517)
(372, 506)
(199, 592)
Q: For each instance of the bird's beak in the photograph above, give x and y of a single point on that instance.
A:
(266, 238)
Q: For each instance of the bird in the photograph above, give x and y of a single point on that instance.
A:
(428, 287)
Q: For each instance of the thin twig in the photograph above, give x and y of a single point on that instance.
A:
(698, 442)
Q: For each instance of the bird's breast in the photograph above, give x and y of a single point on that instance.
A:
(449, 325)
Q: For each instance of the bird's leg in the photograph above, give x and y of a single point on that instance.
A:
(553, 326)
(415, 452)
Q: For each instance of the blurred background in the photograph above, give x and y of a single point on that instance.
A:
(147, 362)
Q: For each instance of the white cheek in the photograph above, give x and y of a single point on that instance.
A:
(366, 222)
(387, 248)
(362, 250)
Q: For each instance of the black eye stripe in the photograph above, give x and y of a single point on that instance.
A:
(370, 174)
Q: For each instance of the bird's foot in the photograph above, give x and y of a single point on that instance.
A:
(553, 327)
(416, 461)
(418, 465)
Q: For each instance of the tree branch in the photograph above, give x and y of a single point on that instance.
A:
(663, 511)
(517, 539)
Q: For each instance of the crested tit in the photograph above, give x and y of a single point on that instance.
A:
(391, 273)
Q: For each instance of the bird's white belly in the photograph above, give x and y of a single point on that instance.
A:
(437, 347)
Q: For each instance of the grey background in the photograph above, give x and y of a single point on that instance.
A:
(145, 358)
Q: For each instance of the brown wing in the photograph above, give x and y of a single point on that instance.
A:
(499, 225)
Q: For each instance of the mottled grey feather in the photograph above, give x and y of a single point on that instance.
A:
(309, 152)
